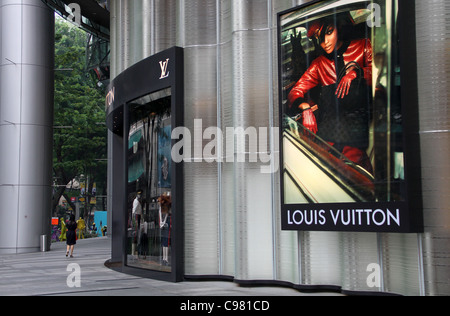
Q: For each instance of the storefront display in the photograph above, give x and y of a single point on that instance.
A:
(149, 187)
(144, 104)
(236, 221)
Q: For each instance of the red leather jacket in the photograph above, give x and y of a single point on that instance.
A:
(323, 70)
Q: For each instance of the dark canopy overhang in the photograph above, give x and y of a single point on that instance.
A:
(95, 14)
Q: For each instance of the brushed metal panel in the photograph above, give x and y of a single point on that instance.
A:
(200, 86)
(37, 46)
(225, 21)
(9, 197)
(227, 204)
(36, 97)
(320, 254)
(436, 182)
(136, 32)
(34, 161)
(248, 15)
(201, 181)
(120, 25)
(225, 119)
(201, 221)
(32, 223)
(200, 22)
(225, 83)
(114, 38)
(259, 223)
(358, 251)
(401, 264)
(287, 256)
(126, 19)
(147, 26)
(287, 250)
(10, 29)
(251, 81)
(140, 29)
(10, 93)
(10, 157)
(433, 36)
(165, 24)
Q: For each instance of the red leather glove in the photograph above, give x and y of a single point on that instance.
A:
(309, 120)
(344, 85)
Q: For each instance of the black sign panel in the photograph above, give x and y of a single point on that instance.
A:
(153, 74)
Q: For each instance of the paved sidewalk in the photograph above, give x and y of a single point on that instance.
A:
(46, 274)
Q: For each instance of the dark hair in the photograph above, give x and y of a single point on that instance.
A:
(72, 218)
(318, 28)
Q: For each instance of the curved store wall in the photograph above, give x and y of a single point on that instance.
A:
(232, 215)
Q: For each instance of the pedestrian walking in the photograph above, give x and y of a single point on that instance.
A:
(71, 235)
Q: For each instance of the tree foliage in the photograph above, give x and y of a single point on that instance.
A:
(80, 134)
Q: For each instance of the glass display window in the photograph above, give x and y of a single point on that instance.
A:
(149, 198)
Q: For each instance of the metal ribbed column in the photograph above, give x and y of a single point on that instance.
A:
(433, 37)
(197, 32)
(252, 84)
(26, 123)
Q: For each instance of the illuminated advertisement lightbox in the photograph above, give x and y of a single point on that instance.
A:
(343, 118)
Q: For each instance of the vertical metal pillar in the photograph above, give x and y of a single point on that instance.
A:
(26, 123)
(433, 35)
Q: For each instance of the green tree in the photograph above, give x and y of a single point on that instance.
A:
(80, 133)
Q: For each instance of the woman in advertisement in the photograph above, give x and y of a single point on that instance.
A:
(344, 72)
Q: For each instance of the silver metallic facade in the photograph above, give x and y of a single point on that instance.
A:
(26, 123)
(433, 45)
(232, 224)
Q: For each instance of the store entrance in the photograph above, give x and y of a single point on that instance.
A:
(149, 186)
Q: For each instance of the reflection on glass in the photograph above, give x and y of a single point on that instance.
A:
(312, 164)
(149, 183)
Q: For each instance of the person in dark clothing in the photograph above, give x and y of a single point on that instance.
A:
(71, 235)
